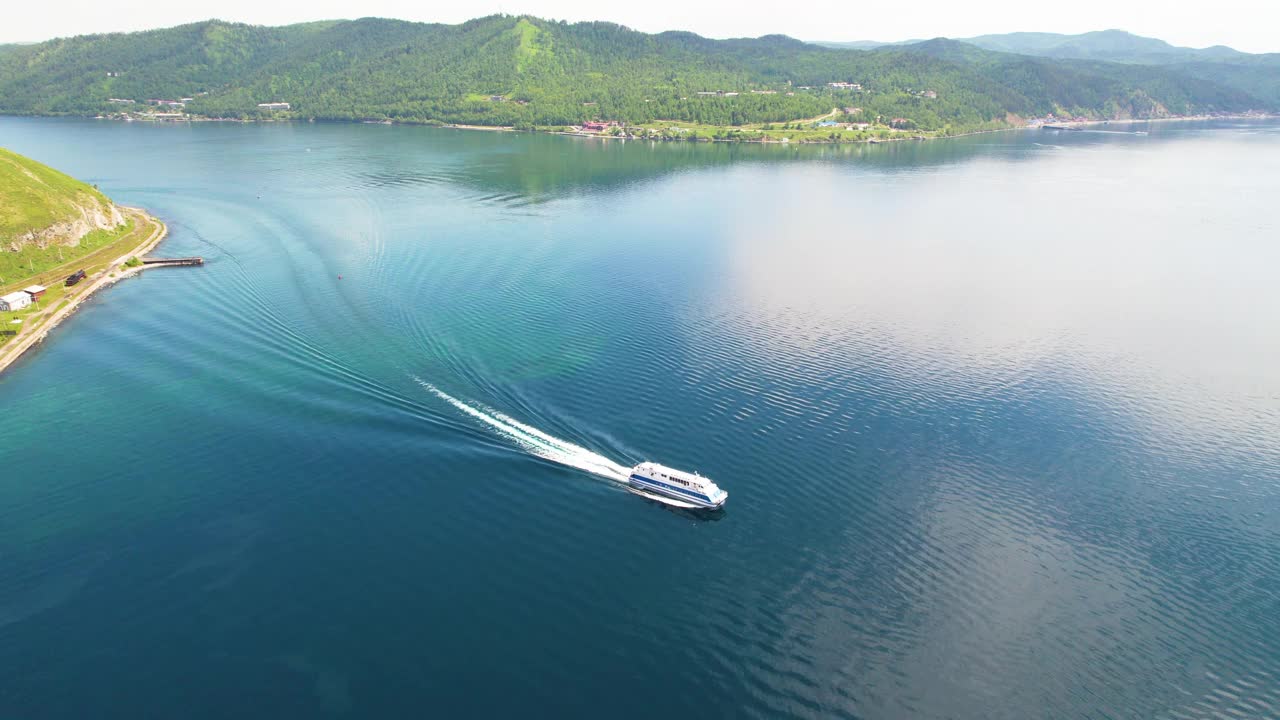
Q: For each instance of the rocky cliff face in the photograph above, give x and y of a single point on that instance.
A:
(91, 215)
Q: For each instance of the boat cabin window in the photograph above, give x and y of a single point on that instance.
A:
(676, 480)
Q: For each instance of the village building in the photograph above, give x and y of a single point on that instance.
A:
(35, 291)
(274, 105)
(931, 94)
(14, 301)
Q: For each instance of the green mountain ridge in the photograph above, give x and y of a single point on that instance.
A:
(1107, 45)
(524, 71)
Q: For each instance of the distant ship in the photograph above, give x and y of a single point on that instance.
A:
(1061, 127)
(676, 487)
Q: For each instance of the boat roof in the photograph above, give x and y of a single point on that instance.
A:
(665, 470)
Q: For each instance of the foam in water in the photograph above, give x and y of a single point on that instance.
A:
(535, 441)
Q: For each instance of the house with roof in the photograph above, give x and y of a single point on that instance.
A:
(14, 301)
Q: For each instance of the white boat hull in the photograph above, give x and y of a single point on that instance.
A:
(673, 496)
(663, 499)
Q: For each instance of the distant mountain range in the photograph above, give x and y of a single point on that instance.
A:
(1106, 45)
(1257, 74)
(526, 72)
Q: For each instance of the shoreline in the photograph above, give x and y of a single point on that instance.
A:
(1180, 118)
(866, 141)
(786, 142)
(114, 272)
(903, 136)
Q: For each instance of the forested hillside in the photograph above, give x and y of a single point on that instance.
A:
(1257, 75)
(504, 70)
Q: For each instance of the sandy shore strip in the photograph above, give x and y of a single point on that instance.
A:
(37, 332)
(488, 128)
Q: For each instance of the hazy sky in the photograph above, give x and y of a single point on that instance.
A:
(1249, 25)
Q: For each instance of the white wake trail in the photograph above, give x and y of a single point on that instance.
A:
(535, 441)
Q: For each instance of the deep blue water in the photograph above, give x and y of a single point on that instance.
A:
(999, 418)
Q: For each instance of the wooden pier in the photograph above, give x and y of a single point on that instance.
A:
(173, 261)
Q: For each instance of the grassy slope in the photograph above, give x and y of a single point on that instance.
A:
(34, 196)
(19, 269)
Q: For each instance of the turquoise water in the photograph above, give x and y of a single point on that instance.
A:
(999, 418)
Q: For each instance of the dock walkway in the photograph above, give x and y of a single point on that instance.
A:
(173, 261)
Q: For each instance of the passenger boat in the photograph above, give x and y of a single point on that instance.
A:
(676, 487)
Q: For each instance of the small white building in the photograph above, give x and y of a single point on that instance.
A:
(14, 301)
(274, 106)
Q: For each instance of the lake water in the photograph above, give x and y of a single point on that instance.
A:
(999, 418)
